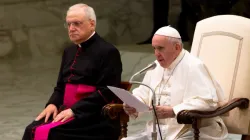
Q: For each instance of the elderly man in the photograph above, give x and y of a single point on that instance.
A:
(181, 82)
(73, 112)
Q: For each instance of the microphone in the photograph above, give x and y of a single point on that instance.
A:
(155, 119)
(149, 67)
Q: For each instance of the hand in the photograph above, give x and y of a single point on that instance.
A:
(164, 112)
(64, 115)
(129, 110)
(50, 109)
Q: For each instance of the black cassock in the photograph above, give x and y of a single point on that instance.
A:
(96, 63)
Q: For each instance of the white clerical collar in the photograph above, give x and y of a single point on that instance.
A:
(176, 61)
(87, 39)
(91, 35)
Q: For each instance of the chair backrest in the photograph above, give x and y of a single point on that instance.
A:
(223, 44)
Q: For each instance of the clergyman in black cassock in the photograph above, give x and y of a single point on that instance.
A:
(87, 68)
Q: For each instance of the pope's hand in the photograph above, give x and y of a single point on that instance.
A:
(64, 115)
(164, 112)
(129, 110)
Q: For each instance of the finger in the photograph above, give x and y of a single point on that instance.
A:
(129, 111)
(130, 108)
(58, 117)
(157, 108)
(158, 115)
(40, 116)
(127, 106)
(47, 116)
(65, 118)
(55, 114)
(132, 111)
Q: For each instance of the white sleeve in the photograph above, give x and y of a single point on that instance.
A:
(200, 93)
(195, 104)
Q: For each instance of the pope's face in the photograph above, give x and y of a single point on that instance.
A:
(165, 51)
(79, 26)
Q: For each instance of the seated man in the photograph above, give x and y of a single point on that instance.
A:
(181, 82)
(73, 112)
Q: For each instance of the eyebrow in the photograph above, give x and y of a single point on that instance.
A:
(158, 46)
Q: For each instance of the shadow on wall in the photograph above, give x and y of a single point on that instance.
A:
(34, 29)
(193, 11)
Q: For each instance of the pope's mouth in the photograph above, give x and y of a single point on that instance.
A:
(160, 60)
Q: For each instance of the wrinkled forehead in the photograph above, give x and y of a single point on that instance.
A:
(159, 40)
(76, 14)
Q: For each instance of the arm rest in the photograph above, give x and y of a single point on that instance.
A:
(194, 116)
(187, 116)
(115, 111)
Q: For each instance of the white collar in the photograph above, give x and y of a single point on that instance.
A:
(176, 61)
(87, 39)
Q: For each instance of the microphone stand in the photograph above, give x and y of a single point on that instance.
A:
(154, 133)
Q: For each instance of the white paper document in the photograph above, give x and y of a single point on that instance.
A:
(129, 99)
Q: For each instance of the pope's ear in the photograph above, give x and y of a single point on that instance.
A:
(178, 46)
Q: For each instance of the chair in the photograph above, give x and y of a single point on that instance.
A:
(223, 44)
(115, 111)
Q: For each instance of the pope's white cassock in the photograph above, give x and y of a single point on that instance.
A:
(185, 85)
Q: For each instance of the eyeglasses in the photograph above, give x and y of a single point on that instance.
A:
(74, 24)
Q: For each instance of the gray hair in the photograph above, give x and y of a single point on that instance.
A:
(174, 40)
(88, 11)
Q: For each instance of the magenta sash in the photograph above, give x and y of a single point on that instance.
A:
(73, 93)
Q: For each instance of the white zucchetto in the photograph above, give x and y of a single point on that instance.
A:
(168, 31)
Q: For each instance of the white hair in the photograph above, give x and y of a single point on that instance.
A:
(174, 40)
(88, 11)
